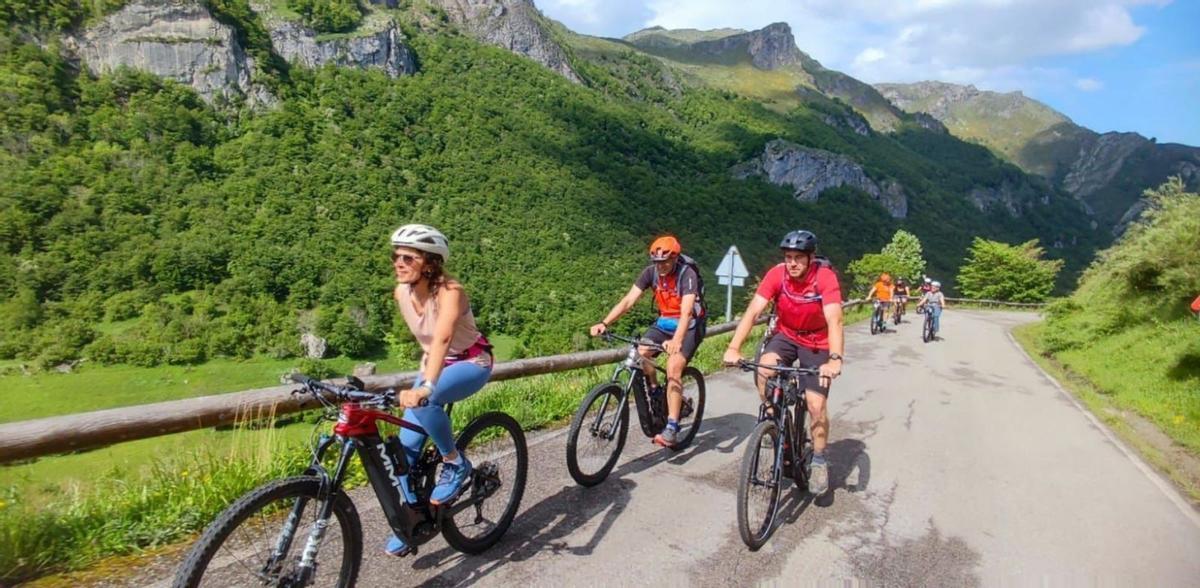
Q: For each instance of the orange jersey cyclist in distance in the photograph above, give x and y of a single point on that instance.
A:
(882, 290)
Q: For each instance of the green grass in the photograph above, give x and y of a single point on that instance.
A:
(96, 388)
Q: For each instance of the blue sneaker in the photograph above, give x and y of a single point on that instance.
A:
(397, 547)
(454, 479)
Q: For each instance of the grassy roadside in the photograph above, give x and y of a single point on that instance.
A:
(1131, 407)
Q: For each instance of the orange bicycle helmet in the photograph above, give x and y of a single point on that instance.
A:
(664, 247)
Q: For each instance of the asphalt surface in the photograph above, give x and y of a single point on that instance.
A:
(956, 462)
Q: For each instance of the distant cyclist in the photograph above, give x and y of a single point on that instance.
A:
(882, 292)
(936, 301)
(900, 295)
(926, 285)
(1196, 307)
(808, 304)
(680, 326)
(457, 360)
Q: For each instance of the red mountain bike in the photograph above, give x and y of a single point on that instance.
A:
(304, 530)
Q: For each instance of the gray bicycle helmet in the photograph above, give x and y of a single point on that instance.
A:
(799, 241)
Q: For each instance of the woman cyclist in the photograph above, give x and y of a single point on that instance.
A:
(808, 302)
(457, 360)
(936, 302)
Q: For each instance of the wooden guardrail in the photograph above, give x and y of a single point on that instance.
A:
(89, 430)
(997, 302)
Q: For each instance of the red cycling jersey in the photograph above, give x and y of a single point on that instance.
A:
(800, 303)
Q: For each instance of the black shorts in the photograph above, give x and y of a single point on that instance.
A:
(791, 353)
(691, 341)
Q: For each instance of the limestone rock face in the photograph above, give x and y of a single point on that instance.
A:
(769, 48)
(383, 48)
(314, 347)
(176, 39)
(811, 171)
(515, 25)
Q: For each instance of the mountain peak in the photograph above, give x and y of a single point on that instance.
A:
(769, 48)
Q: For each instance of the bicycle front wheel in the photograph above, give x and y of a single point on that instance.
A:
(496, 447)
(758, 487)
(693, 407)
(597, 434)
(262, 537)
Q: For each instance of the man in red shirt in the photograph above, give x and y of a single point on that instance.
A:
(680, 326)
(808, 302)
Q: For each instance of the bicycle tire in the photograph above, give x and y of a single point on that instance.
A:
(451, 525)
(606, 390)
(697, 408)
(756, 532)
(875, 322)
(202, 554)
(927, 330)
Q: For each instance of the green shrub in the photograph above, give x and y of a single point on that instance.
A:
(329, 16)
(1013, 273)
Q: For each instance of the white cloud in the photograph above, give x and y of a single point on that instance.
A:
(1088, 84)
(869, 55)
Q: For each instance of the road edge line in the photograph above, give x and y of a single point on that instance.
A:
(1167, 488)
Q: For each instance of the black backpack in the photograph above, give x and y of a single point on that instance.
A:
(685, 262)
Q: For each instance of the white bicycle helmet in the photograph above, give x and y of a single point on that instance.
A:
(936, 284)
(423, 238)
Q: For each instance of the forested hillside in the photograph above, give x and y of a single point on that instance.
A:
(140, 223)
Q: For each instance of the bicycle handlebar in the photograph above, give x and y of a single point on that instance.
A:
(643, 342)
(748, 366)
(348, 394)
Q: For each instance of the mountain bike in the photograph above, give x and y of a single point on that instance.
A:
(877, 322)
(779, 447)
(601, 424)
(897, 310)
(305, 530)
(927, 332)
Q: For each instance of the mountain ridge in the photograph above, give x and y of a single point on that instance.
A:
(1107, 172)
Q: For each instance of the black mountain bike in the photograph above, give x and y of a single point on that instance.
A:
(780, 447)
(304, 530)
(599, 427)
(897, 310)
(878, 324)
(927, 332)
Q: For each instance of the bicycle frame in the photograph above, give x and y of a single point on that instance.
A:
(633, 366)
(785, 390)
(401, 488)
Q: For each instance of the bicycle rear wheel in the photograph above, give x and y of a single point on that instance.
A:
(496, 447)
(597, 434)
(693, 407)
(259, 540)
(927, 330)
(758, 486)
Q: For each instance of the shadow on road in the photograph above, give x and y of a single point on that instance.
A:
(551, 524)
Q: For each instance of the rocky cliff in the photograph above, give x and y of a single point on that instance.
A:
(811, 171)
(176, 39)
(377, 44)
(515, 25)
(769, 48)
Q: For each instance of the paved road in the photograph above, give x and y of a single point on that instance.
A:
(953, 463)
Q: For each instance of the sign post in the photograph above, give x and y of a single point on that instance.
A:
(731, 272)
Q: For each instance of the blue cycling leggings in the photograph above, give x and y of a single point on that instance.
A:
(457, 382)
(936, 309)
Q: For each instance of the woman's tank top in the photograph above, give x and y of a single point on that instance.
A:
(465, 335)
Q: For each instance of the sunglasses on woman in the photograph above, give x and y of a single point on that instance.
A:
(407, 258)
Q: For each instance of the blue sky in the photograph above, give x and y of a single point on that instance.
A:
(1110, 65)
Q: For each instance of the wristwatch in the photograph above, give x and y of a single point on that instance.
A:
(837, 356)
